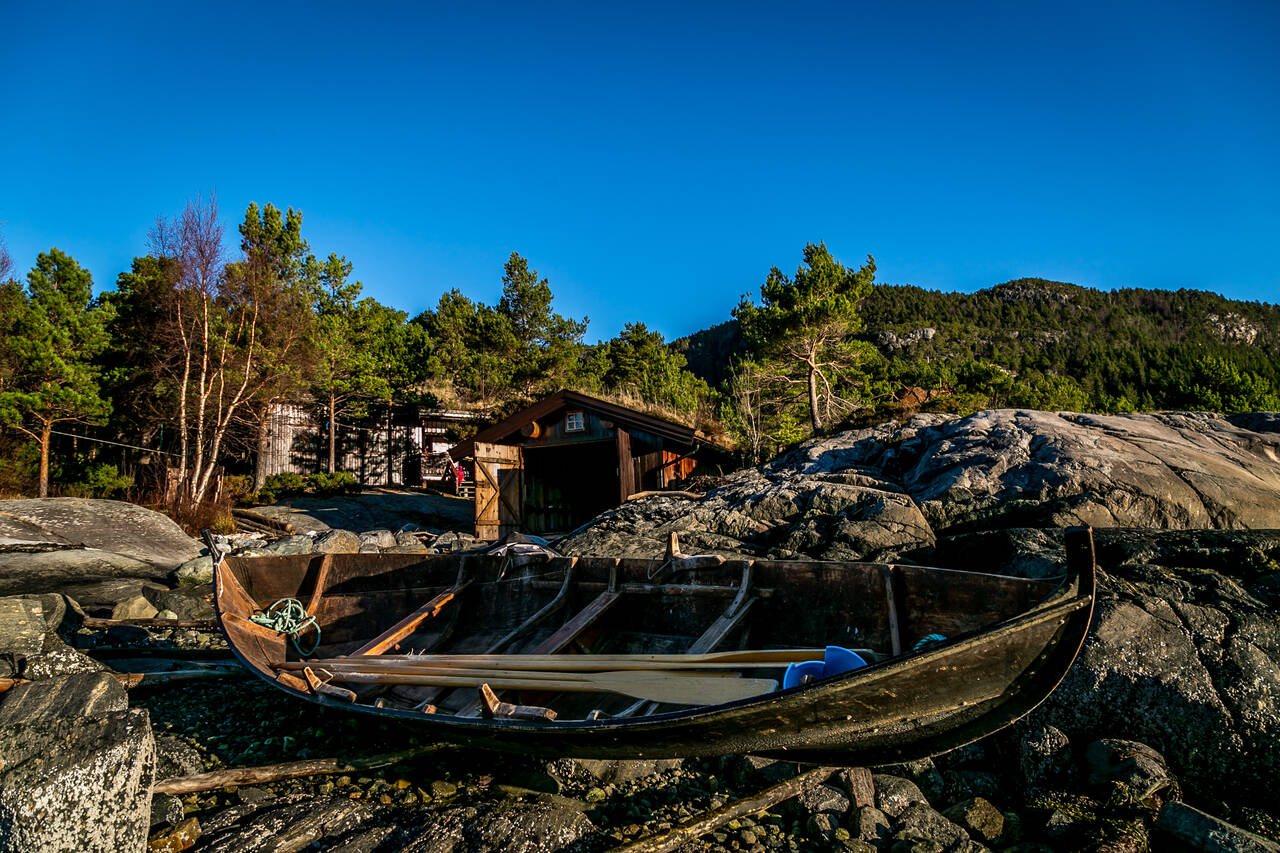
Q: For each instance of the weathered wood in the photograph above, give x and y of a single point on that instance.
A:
(199, 624)
(891, 602)
(674, 589)
(409, 624)
(321, 688)
(322, 575)
(133, 680)
(543, 612)
(112, 652)
(408, 667)
(1011, 642)
(651, 493)
(626, 471)
(742, 659)
(581, 621)
(6, 683)
(732, 617)
(261, 520)
(180, 785)
(499, 489)
(675, 689)
(859, 785)
(492, 706)
(698, 826)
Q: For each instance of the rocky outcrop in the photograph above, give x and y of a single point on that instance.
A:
(891, 490)
(99, 552)
(112, 526)
(1183, 657)
(1170, 470)
(833, 516)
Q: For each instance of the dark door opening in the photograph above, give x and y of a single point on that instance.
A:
(569, 485)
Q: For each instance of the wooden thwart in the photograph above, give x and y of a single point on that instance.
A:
(580, 622)
(409, 624)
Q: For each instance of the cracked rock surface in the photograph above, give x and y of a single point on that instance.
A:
(890, 490)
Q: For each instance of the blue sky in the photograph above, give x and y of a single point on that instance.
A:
(654, 160)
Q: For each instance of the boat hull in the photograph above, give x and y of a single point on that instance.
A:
(910, 705)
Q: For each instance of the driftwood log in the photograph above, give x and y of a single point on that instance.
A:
(202, 624)
(700, 825)
(132, 680)
(288, 770)
(260, 522)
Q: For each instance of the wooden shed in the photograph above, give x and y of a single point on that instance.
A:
(569, 457)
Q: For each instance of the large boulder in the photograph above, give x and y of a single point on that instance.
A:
(112, 526)
(99, 552)
(76, 784)
(84, 694)
(767, 513)
(894, 490)
(86, 574)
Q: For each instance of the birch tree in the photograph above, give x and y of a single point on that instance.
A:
(232, 328)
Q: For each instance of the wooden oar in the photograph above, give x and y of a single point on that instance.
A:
(400, 667)
(588, 663)
(649, 685)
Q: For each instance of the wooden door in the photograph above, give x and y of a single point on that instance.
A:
(499, 489)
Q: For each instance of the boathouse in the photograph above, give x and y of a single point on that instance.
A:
(560, 462)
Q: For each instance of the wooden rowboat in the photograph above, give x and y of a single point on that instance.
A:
(598, 657)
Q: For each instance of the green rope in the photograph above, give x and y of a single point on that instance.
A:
(288, 616)
(925, 642)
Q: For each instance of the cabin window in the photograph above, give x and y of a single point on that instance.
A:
(575, 422)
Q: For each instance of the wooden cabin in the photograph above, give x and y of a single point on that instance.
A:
(567, 458)
(392, 445)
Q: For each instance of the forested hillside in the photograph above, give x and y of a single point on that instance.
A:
(1047, 344)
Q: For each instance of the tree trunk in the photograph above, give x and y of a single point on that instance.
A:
(46, 435)
(264, 449)
(814, 417)
(333, 416)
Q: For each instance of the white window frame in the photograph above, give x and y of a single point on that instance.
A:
(575, 422)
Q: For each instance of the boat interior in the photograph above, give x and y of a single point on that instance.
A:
(380, 610)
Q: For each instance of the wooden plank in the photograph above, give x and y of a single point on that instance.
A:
(683, 834)
(626, 471)
(721, 629)
(648, 685)
(891, 599)
(322, 575)
(733, 615)
(409, 624)
(499, 477)
(744, 658)
(581, 620)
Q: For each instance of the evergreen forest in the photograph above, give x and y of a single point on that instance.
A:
(186, 353)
